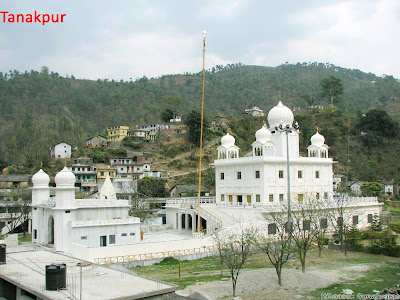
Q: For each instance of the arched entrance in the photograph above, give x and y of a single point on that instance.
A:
(51, 230)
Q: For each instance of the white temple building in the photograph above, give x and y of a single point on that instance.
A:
(76, 225)
(249, 188)
(261, 179)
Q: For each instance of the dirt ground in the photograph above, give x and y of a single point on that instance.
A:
(262, 283)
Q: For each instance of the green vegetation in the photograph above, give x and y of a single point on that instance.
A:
(40, 109)
(152, 187)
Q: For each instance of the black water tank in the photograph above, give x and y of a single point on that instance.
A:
(3, 253)
(56, 277)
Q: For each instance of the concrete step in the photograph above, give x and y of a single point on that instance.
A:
(227, 220)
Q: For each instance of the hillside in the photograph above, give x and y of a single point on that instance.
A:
(40, 109)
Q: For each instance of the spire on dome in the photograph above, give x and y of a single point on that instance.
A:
(108, 191)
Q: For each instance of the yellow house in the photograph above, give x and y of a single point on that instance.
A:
(117, 133)
(103, 170)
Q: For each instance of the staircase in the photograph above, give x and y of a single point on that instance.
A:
(226, 220)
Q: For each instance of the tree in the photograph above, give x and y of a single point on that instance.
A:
(20, 212)
(193, 122)
(332, 88)
(342, 217)
(219, 241)
(310, 100)
(371, 188)
(141, 208)
(152, 187)
(378, 123)
(167, 115)
(237, 247)
(173, 104)
(275, 241)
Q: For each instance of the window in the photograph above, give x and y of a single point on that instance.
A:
(67, 211)
(355, 220)
(281, 174)
(239, 175)
(316, 174)
(111, 239)
(281, 197)
(323, 223)
(326, 196)
(300, 197)
(271, 197)
(258, 198)
(84, 237)
(35, 234)
(271, 228)
(249, 199)
(132, 233)
(299, 174)
(257, 174)
(222, 197)
(339, 221)
(101, 173)
(230, 198)
(317, 196)
(369, 218)
(124, 234)
(222, 176)
(306, 225)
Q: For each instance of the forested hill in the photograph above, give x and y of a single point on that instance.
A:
(39, 109)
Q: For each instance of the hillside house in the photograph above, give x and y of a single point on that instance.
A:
(129, 167)
(255, 111)
(61, 150)
(14, 181)
(96, 142)
(355, 187)
(103, 170)
(85, 174)
(117, 133)
(185, 190)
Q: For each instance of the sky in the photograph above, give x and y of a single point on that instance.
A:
(131, 39)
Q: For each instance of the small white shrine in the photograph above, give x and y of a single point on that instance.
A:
(75, 224)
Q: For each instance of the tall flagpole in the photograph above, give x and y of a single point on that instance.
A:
(201, 132)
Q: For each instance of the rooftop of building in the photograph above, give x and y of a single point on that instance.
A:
(26, 265)
(15, 178)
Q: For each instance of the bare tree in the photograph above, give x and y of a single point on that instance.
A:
(342, 216)
(237, 248)
(141, 208)
(275, 241)
(219, 241)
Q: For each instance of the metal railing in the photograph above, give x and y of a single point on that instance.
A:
(189, 200)
(155, 255)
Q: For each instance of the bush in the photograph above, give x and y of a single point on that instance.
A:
(395, 227)
(169, 261)
(391, 250)
(374, 249)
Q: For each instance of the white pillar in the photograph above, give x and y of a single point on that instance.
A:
(179, 222)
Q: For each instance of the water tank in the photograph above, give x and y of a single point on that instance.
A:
(56, 277)
(3, 253)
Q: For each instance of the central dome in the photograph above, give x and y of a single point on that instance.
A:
(280, 114)
(263, 135)
(65, 178)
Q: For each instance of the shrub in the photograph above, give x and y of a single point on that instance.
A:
(395, 227)
(169, 261)
(391, 250)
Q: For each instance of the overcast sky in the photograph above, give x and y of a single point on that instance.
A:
(129, 39)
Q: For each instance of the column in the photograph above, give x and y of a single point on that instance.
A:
(179, 222)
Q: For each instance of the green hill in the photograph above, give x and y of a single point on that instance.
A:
(39, 109)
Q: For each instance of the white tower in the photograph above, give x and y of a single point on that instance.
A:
(318, 147)
(263, 146)
(40, 198)
(65, 196)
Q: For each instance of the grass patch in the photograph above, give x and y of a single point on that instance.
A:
(26, 238)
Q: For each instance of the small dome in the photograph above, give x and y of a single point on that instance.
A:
(280, 114)
(317, 139)
(65, 178)
(227, 140)
(263, 135)
(40, 179)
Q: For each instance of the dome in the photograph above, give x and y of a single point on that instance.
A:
(317, 139)
(280, 114)
(65, 178)
(40, 179)
(227, 140)
(263, 135)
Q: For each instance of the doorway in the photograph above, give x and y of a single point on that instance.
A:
(103, 241)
